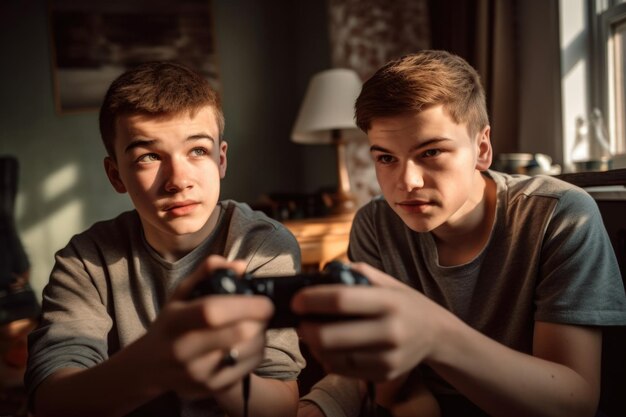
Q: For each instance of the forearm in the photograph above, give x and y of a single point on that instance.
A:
(336, 395)
(268, 398)
(407, 396)
(113, 388)
(505, 382)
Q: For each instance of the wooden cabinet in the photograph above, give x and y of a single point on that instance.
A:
(321, 239)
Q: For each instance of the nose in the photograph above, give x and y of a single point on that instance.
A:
(177, 176)
(411, 177)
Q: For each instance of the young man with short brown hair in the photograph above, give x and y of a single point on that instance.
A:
(489, 289)
(118, 335)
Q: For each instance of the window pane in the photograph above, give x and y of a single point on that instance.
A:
(619, 62)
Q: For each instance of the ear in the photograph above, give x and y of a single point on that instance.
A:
(110, 166)
(484, 153)
(223, 160)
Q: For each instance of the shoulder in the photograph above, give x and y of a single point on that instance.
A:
(376, 207)
(376, 214)
(377, 228)
(535, 185)
(107, 236)
(558, 193)
(267, 245)
(92, 257)
(255, 226)
(244, 219)
(111, 230)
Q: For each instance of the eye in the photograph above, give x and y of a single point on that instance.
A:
(148, 157)
(384, 159)
(430, 153)
(199, 152)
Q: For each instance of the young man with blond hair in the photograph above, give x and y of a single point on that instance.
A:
(489, 289)
(118, 335)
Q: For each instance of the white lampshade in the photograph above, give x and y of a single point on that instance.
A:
(328, 105)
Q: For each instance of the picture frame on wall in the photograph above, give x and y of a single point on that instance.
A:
(94, 42)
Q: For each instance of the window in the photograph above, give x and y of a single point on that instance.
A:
(617, 78)
(609, 72)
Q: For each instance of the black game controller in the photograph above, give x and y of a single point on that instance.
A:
(279, 289)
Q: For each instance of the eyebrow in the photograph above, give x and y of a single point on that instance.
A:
(145, 143)
(376, 148)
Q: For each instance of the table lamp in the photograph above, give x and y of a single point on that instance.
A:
(327, 117)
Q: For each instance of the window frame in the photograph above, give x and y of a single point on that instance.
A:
(603, 16)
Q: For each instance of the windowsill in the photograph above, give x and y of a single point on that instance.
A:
(598, 178)
(608, 193)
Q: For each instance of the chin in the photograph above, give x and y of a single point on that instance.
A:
(419, 226)
(187, 228)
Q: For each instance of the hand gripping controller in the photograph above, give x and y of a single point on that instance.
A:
(280, 289)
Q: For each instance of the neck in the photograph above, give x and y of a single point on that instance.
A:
(462, 239)
(174, 247)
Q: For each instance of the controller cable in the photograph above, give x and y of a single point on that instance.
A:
(368, 403)
(246, 394)
(371, 409)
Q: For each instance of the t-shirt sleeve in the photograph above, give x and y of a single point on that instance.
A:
(68, 337)
(579, 279)
(364, 244)
(278, 255)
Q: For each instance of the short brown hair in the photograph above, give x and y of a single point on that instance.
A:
(422, 80)
(156, 88)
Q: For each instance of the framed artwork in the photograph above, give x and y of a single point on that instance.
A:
(365, 34)
(94, 42)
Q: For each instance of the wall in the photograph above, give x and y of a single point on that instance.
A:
(267, 51)
(525, 112)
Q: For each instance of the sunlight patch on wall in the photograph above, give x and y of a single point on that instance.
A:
(42, 240)
(59, 182)
(61, 224)
(574, 104)
(572, 20)
(574, 55)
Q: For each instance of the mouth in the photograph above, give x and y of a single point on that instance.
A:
(413, 202)
(181, 208)
(414, 206)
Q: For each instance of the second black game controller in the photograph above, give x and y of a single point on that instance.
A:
(280, 289)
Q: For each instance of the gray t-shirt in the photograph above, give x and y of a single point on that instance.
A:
(108, 286)
(548, 258)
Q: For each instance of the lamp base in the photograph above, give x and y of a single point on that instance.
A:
(342, 201)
